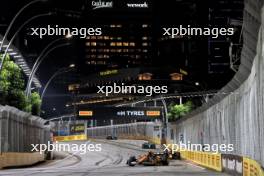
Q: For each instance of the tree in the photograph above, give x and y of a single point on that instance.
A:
(177, 111)
(12, 89)
(35, 103)
(12, 86)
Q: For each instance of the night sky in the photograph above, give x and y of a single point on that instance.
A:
(205, 59)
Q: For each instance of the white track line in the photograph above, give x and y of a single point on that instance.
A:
(195, 166)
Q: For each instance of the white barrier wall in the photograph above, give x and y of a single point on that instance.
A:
(18, 130)
(239, 117)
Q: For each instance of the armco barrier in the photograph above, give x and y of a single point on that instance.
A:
(8, 159)
(251, 168)
(70, 138)
(206, 159)
(214, 161)
(154, 140)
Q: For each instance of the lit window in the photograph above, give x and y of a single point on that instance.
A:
(119, 38)
(125, 44)
(106, 37)
(118, 43)
(116, 25)
(144, 38)
(112, 44)
(144, 50)
(145, 76)
(93, 43)
(88, 44)
(88, 37)
(93, 37)
(145, 44)
(101, 62)
(144, 25)
(119, 50)
(100, 37)
(176, 76)
(125, 50)
(101, 44)
(101, 56)
(132, 44)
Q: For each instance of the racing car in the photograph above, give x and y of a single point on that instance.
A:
(149, 159)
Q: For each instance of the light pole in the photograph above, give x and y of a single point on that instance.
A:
(15, 17)
(165, 122)
(60, 71)
(19, 29)
(197, 85)
(39, 60)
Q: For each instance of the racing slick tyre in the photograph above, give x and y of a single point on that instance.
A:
(131, 161)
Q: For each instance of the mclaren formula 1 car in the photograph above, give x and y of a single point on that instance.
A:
(149, 159)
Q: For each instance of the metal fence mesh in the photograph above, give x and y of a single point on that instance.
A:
(138, 129)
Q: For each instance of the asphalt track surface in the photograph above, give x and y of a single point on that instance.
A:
(111, 161)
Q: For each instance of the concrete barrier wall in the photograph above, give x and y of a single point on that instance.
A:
(237, 118)
(16, 159)
(18, 130)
